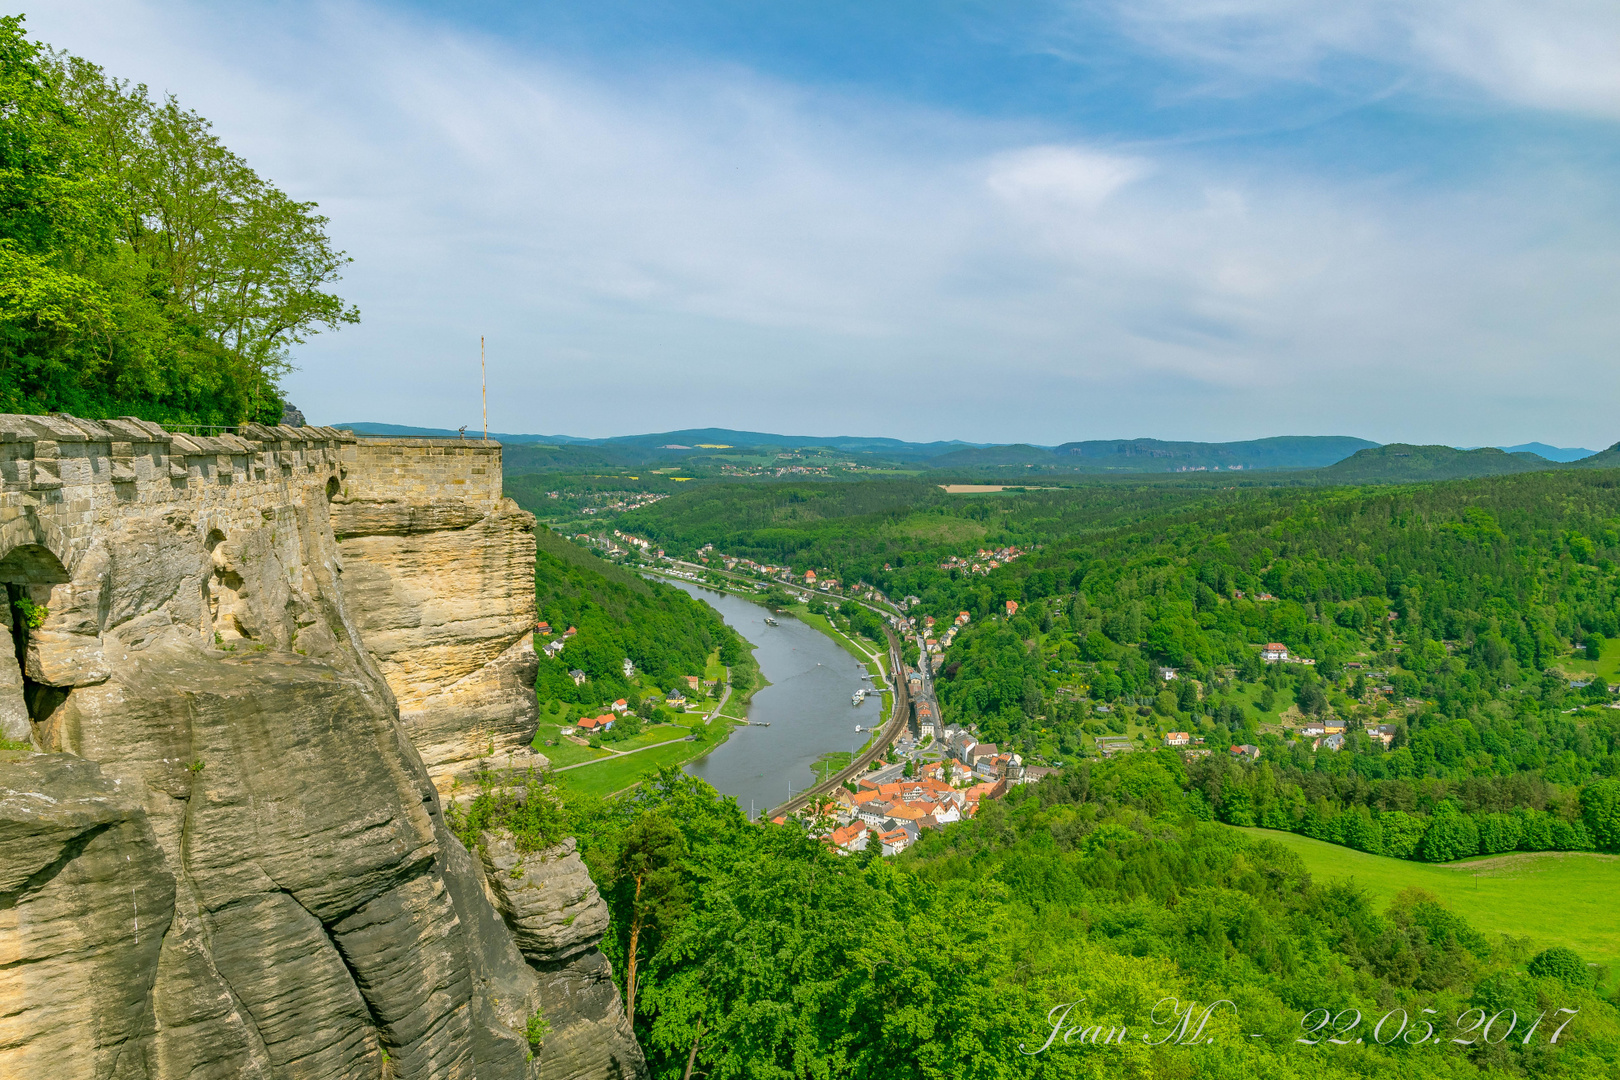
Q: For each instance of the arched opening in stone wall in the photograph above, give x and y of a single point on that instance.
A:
(332, 488)
(29, 571)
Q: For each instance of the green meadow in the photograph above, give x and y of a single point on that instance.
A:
(1553, 898)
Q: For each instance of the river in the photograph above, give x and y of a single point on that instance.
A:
(806, 705)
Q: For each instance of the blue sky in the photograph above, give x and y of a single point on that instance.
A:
(1034, 222)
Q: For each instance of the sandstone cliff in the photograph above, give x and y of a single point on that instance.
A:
(439, 576)
(230, 860)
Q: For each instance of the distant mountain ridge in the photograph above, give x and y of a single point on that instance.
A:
(1541, 449)
(1096, 455)
(690, 439)
(1331, 458)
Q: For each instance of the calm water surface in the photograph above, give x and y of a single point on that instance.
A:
(807, 706)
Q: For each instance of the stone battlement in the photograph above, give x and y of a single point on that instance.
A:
(383, 473)
(63, 476)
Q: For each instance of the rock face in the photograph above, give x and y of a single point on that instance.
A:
(229, 860)
(439, 575)
(85, 905)
(558, 918)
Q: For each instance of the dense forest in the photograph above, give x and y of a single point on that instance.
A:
(617, 615)
(145, 270)
(760, 953)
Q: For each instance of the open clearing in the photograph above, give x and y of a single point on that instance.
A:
(979, 489)
(1553, 898)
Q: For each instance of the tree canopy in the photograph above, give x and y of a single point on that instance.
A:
(145, 269)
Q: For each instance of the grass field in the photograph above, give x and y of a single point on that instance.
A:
(564, 752)
(618, 773)
(1553, 898)
(1607, 664)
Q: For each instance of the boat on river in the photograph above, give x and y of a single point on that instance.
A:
(769, 621)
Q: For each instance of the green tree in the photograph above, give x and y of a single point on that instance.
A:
(144, 269)
(650, 867)
(1563, 964)
(1600, 808)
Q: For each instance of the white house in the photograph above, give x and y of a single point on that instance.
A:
(1274, 652)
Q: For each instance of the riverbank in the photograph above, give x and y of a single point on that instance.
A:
(795, 722)
(604, 773)
(770, 755)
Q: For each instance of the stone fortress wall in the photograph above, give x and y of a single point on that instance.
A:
(244, 663)
(438, 566)
(424, 471)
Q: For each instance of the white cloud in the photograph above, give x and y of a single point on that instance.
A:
(655, 249)
(1061, 174)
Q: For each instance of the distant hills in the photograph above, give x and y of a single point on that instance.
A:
(1328, 459)
(1155, 455)
(699, 439)
(1551, 453)
(1402, 462)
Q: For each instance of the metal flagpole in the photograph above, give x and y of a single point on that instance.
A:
(483, 385)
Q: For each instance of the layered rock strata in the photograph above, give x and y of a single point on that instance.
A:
(227, 858)
(440, 580)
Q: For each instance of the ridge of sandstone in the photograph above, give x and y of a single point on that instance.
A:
(245, 667)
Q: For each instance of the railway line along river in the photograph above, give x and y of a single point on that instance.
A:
(806, 706)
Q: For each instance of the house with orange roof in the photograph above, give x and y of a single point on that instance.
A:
(621, 706)
(894, 841)
(850, 838)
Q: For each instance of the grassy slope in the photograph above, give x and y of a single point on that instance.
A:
(1553, 898)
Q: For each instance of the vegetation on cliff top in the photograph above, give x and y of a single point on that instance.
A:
(145, 269)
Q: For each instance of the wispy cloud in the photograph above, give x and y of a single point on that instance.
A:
(1550, 54)
(699, 244)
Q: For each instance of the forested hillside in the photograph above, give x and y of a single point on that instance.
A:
(618, 614)
(145, 270)
(1458, 617)
(748, 951)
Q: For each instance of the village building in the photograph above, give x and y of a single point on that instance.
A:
(1273, 652)
(1177, 738)
(578, 676)
(850, 838)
